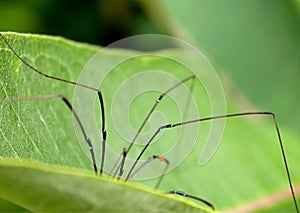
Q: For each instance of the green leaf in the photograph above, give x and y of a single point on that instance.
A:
(254, 44)
(37, 187)
(41, 130)
(246, 167)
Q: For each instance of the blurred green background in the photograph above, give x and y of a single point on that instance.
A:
(95, 21)
(255, 44)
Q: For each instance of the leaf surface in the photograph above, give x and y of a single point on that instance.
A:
(246, 167)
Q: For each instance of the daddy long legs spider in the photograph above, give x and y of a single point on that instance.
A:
(103, 133)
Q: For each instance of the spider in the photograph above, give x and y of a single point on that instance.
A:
(118, 167)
